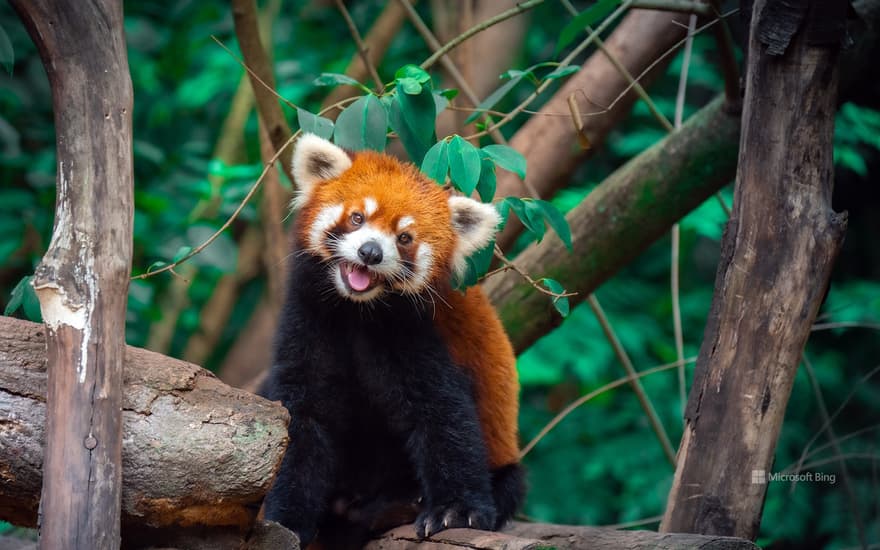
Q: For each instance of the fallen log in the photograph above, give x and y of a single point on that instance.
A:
(195, 451)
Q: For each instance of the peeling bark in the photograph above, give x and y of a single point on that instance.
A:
(776, 260)
(82, 281)
(195, 451)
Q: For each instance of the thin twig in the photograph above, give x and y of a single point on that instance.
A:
(676, 228)
(727, 59)
(638, 88)
(625, 361)
(683, 6)
(564, 63)
(603, 108)
(508, 264)
(799, 465)
(362, 48)
(841, 439)
(494, 20)
(252, 73)
(635, 523)
(229, 221)
(835, 445)
(585, 398)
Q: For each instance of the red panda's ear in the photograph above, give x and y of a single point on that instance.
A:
(475, 224)
(314, 160)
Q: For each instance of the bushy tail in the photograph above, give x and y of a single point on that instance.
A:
(509, 491)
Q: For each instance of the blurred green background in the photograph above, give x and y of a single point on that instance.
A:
(602, 465)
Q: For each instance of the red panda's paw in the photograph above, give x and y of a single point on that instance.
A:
(472, 515)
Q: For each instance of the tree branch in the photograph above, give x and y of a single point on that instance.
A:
(633, 207)
(548, 145)
(247, 30)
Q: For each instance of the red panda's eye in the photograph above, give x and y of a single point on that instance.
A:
(357, 218)
(404, 238)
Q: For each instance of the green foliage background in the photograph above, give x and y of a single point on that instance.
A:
(602, 464)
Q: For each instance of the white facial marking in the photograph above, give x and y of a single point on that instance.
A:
(348, 246)
(424, 261)
(405, 222)
(370, 206)
(326, 219)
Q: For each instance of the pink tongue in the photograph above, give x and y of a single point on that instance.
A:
(359, 278)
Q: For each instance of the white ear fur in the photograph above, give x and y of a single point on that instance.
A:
(315, 159)
(475, 223)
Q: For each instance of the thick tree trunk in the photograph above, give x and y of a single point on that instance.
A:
(550, 143)
(195, 451)
(776, 259)
(627, 212)
(82, 282)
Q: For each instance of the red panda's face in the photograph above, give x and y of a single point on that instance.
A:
(380, 225)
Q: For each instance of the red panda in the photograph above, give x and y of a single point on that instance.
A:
(401, 389)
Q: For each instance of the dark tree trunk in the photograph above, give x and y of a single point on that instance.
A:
(776, 259)
(82, 282)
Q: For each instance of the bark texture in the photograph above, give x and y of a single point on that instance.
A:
(776, 259)
(539, 536)
(550, 143)
(195, 451)
(632, 208)
(82, 281)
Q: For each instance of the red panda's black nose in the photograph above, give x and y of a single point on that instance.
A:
(370, 252)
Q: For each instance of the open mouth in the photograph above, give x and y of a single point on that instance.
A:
(357, 278)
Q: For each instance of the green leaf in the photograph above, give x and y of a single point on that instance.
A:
(494, 98)
(181, 253)
(314, 124)
(585, 19)
(486, 185)
(562, 72)
(436, 162)
(362, 125)
(413, 118)
(520, 208)
(477, 265)
(156, 265)
(7, 56)
(508, 158)
(335, 79)
(23, 296)
(557, 221)
(560, 303)
(414, 72)
(464, 165)
(409, 86)
(535, 215)
(448, 93)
